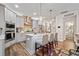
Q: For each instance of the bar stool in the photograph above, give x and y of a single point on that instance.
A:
(56, 40)
(43, 48)
(51, 42)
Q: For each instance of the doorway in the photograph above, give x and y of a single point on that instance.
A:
(69, 26)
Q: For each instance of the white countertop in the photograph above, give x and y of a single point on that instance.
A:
(37, 37)
(38, 34)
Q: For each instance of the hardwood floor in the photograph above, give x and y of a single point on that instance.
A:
(62, 49)
(19, 50)
(16, 50)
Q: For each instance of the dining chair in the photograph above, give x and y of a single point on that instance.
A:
(51, 44)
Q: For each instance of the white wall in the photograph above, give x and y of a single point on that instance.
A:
(59, 22)
(77, 23)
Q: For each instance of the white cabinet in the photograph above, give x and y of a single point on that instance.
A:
(35, 24)
(2, 21)
(2, 25)
(10, 16)
(2, 51)
(20, 37)
(30, 44)
(19, 21)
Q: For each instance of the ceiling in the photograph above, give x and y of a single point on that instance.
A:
(28, 9)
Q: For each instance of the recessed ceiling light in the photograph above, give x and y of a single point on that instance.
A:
(34, 13)
(16, 6)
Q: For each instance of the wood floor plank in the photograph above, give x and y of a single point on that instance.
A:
(16, 50)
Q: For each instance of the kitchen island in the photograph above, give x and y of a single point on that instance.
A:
(31, 40)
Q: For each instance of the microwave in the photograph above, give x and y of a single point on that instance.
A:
(8, 25)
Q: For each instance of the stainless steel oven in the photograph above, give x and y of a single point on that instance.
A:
(10, 32)
(10, 36)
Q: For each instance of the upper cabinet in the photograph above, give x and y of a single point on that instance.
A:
(19, 21)
(23, 21)
(10, 16)
(2, 20)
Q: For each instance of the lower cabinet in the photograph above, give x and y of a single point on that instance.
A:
(2, 47)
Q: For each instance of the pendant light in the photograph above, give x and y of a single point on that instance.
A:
(40, 17)
(50, 14)
(50, 17)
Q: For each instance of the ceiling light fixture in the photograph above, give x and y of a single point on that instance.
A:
(16, 6)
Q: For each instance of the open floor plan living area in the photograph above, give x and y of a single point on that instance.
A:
(39, 29)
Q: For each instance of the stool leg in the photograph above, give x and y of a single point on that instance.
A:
(35, 48)
(52, 45)
(49, 50)
(42, 50)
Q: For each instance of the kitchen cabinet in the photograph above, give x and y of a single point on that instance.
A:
(10, 16)
(2, 45)
(2, 30)
(20, 37)
(2, 21)
(30, 44)
(35, 23)
(19, 21)
(2, 51)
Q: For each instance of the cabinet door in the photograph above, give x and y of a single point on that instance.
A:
(13, 17)
(34, 23)
(19, 21)
(2, 51)
(22, 21)
(10, 16)
(7, 15)
(2, 20)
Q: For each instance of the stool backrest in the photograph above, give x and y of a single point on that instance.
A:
(45, 39)
(56, 36)
(51, 37)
